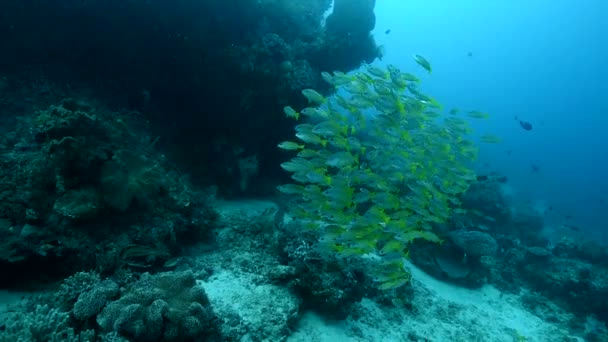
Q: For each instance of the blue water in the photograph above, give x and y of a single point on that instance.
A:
(543, 61)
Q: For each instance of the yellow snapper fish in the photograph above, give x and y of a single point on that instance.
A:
(313, 96)
(475, 114)
(291, 113)
(290, 146)
(327, 77)
(423, 63)
(376, 71)
(454, 111)
(311, 138)
(490, 139)
(315, 113)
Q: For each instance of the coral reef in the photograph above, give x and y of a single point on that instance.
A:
(194, 68)
(75, 176)
(42, 324)
(329, 285)
(166, 306)
(118, 131)
(474, 243)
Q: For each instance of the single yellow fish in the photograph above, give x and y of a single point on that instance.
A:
(290, 146)
(423, 63)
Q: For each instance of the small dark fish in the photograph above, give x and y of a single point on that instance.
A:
(509, 152)
(535, 168)
(387, 31)
(524, 124)
(568, 217)
(470, 54)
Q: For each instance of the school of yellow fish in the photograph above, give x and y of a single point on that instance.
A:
(376, 166)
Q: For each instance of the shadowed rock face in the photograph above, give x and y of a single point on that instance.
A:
(355, 17)
(347, 36)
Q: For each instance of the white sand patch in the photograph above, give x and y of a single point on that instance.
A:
(441, 312)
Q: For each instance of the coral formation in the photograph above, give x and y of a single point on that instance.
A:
(118, 131)
(166, 306)
(474, 243)
(195, 68)
(80, 174)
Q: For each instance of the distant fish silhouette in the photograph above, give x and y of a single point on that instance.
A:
(387, 31)
(502, 179)
(571, 227)
(524, 124)
(470, 54)
(535, 168)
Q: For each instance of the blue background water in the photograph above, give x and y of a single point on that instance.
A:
(544, 61)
